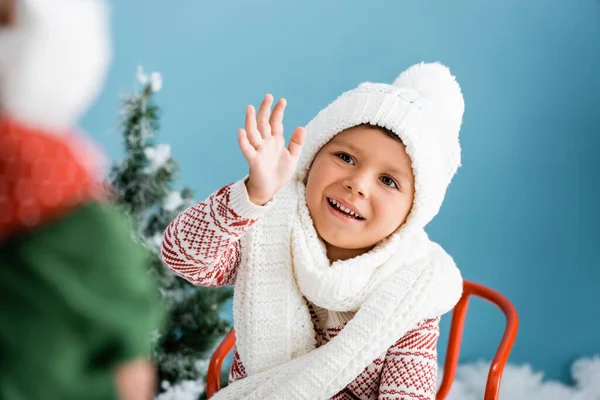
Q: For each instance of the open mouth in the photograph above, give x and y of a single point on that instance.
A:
(343, 210)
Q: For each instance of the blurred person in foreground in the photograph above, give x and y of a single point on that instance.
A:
(78, 307)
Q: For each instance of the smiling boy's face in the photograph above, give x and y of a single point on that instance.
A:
(364, 171)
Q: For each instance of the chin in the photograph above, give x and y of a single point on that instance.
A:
(344, 240)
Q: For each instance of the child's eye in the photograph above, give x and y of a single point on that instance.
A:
(347, 158)
(389, 182)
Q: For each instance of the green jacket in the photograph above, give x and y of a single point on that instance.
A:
(76, 299)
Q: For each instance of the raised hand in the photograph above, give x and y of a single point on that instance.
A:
(271, 163)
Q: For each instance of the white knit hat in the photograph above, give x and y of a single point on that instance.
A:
(424, 107)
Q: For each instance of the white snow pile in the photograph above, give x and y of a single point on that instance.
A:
(173, 201)
(157, 240)
(155, 79)
(520, 382)
(157, 156)
(184, 390)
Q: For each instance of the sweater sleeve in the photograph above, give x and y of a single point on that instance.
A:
(410, 366)
(202, 243)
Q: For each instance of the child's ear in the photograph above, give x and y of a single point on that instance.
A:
(8, 13)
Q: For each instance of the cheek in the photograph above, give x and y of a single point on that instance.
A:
(314, 193)
(310, 197)
(318, 179)
(392, 212)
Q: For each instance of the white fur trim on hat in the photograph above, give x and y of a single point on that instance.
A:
(53, 61)
(424, 107)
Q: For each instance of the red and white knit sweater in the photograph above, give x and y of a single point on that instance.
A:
(406, 371)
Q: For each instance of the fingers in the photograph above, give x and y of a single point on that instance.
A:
(276, 120)
(135, 380)
(247, 148)
(252, 132)
(297, 142)
(263, 124)
(262, 119)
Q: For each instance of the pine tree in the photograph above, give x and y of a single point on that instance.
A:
(143, 186)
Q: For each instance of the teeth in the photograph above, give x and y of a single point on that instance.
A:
(344, 209)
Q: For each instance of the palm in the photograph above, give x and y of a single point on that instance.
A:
(271, 163)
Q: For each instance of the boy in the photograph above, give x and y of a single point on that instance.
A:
(338, 290)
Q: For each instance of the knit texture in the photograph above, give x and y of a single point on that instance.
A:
(276, 341)
(43, 176)
(424, 107)
(202, 245)
(276, 338)
(405, 279)
(408, 370)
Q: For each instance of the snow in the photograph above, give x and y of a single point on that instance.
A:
(188, 389)
(586, 372)
(173, 201)
(520, 382)
(157, 240)
(155, 79)
(158, 156)
(142, 77)
(202, 366)
(184, 390)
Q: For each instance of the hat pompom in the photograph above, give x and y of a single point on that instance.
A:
(53, 61)
(436, 83)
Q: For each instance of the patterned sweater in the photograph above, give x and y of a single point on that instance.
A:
(210, 257)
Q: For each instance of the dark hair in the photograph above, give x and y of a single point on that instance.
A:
(387, 131)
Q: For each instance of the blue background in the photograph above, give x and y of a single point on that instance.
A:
(521, 215)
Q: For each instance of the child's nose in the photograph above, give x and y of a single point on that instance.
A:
(356, 186)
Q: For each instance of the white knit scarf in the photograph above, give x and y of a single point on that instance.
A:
(402, 281)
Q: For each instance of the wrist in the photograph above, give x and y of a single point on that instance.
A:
(256, 200)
